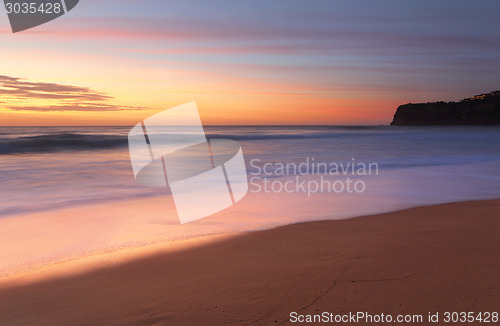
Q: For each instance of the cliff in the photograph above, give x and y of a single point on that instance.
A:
(481, 109)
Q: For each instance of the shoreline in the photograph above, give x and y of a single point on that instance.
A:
(114, 256)
(99, 260)
(433, 258)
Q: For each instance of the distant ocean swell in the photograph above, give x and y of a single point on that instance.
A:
(82, 142)
(383, 141)
(59, 142)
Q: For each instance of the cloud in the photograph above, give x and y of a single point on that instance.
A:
(76, 107)
(302, 33)
(66, 97)
(12, 87)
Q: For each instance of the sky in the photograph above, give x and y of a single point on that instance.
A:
(247, 62)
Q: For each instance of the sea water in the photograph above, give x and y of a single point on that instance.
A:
(44, 169)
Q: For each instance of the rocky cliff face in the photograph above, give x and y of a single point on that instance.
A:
(481, 109)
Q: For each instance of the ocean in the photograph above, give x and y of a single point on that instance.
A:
(46, 169)
(43, 168)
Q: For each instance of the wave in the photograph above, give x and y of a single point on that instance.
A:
(60, 142)
(81, 142)
(103, 139)
(303, 135)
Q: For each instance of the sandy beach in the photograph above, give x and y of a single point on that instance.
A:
(428, 259)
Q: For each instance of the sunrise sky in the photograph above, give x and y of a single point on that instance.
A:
(247, 62)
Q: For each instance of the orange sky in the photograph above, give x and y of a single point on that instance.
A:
(299, 64)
